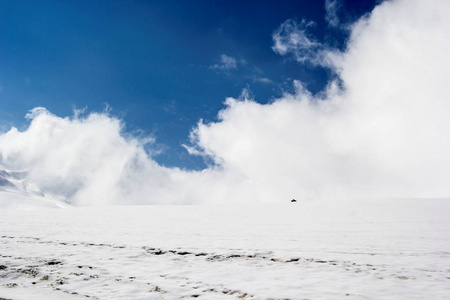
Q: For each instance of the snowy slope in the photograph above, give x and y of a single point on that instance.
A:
(16, 192)
(368, 249)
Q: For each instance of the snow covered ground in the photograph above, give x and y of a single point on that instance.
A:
(18, 193)
(367, 249)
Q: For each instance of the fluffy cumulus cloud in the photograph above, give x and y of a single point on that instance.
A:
(383, 131)
(80, 159)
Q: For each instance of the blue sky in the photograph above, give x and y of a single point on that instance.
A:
(160, 65)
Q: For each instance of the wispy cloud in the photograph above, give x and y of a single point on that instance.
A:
(226, 63)
(293, 38)
(261, 79)
(331, 9)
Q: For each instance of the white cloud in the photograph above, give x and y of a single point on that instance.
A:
(261, 79)
(385, 134)
(293, 38)
(226, 63)
(331, 8)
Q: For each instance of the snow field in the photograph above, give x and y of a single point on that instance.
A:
(367, 249)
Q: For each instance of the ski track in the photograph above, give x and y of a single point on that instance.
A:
(353, 269)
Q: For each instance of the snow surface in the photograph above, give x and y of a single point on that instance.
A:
(18, 193)
(367, 249)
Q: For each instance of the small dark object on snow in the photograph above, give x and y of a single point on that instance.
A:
(293, 200)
